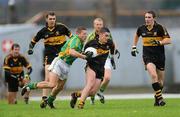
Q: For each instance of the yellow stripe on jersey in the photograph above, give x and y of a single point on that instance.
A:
(70, 35)
(33, 40)
(6, 67)
(16, 70)
(66, 52)
(147, 40)
(55, 40)
(101, 51)
(28, 66)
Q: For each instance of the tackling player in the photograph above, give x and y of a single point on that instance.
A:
(60, 66)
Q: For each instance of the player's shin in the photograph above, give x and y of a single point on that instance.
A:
(32, 85)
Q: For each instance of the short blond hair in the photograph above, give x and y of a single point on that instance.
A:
(98, 19)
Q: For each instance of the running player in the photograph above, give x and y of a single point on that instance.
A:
(154, 37)
(54, 35)
(98, 24)
(94, 67)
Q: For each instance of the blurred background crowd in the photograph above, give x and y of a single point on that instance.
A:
(116, 13)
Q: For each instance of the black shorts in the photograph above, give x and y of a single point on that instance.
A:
(159, 61)
(13, 84)
(99, 71)
(48, 59)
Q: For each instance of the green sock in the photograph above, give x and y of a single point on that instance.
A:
(93, 97)
(32, 85)
(51, 99)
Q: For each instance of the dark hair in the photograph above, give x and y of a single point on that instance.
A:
(152, 12)
(51, 13)
(15, 45)
(80, 28)
(104, 29)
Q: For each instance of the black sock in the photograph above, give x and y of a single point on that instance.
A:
(44, 97)
(158, 91)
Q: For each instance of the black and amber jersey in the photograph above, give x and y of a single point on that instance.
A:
(158, 32)
(16, 64)
(53, 38)
(102, 52)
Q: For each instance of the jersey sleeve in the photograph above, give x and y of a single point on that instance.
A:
(138, 32)
(164, 32)
(27, 65)
(111, 37)
(74, 43)
(36, 38)
(112, 46)
(6, 65)
(67, 32)
(6, 68)
(26, 62)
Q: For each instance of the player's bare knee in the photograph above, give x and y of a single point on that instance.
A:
(47, 79)
(51, 85)
(92, 92)
(60, 88)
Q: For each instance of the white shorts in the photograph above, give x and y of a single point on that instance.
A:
(108, 64)
(60, 68)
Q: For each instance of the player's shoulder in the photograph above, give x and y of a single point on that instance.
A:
(158, 25)
(22, 56)
(141, 26)
(91, 34)
(91, 42)
(9, 56)
(73, 38)
(43, 29)
(59, 24)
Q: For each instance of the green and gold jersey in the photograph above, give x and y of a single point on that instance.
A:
(73, 43)
(93, 35)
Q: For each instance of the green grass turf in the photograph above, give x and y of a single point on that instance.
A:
(112, 108)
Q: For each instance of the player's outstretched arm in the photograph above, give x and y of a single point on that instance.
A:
(75, 53)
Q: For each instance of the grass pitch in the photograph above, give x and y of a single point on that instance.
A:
(112, 108)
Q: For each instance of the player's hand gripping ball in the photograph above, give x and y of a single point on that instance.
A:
(91, 51)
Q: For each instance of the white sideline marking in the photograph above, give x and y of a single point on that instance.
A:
(116, 96)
